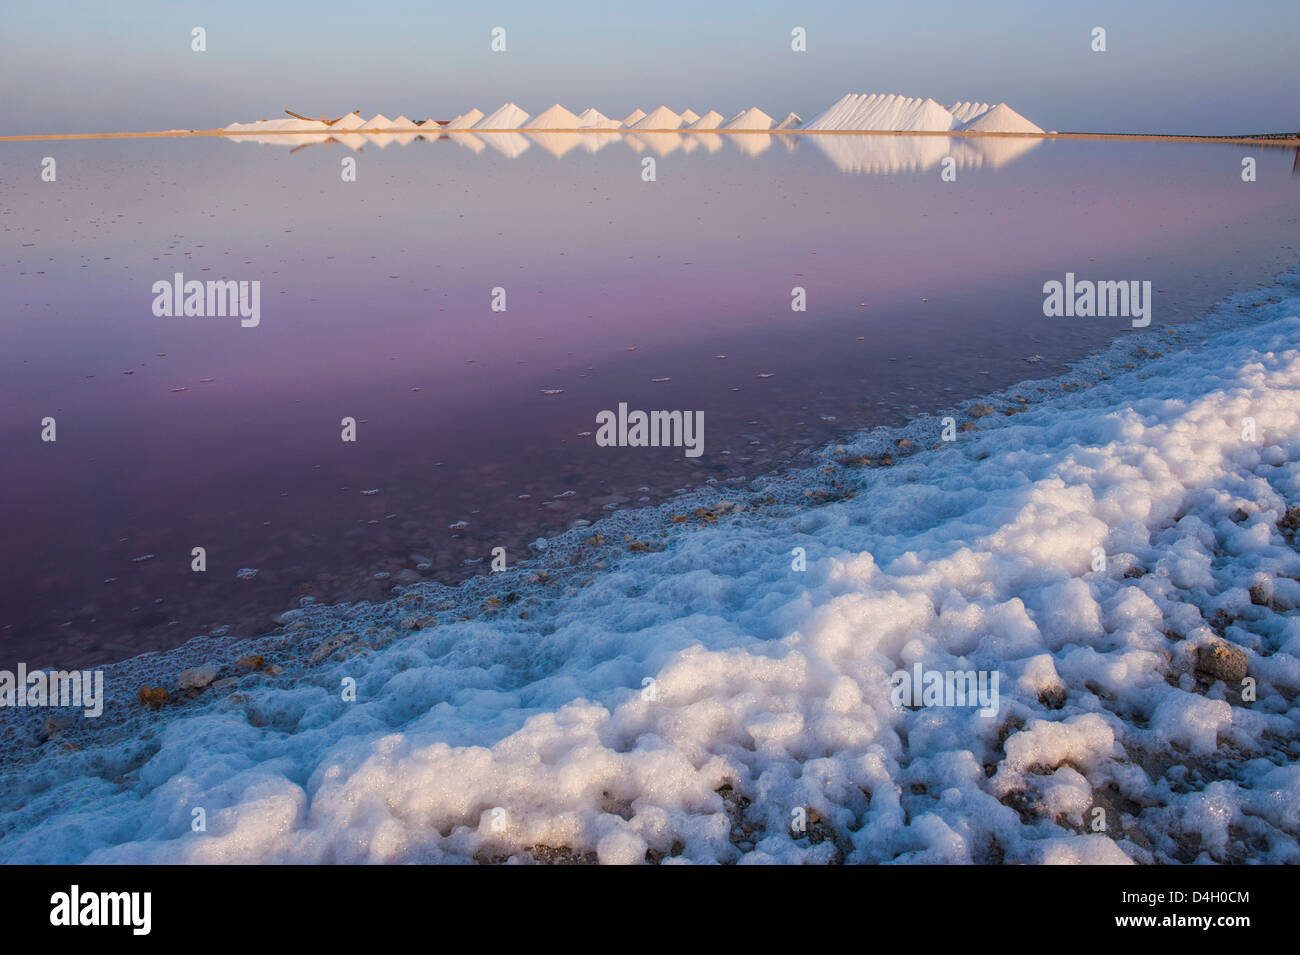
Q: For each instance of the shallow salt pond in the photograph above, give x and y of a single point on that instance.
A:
(475, 427)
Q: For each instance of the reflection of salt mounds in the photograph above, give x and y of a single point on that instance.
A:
(510, 145)
(592, 118)
(659, 143)
(879, 111)
(965, 112)
(889, 155)
(468, 140)
(508, 116)
(661, 118)
(711, 142)
(595, 142)
(557, 144)
(791, 121)
(466, 120)
(387, 139)
(634, 117)
(752, 118)
(883, 154)
(997, 151)
(750, 145)
(1000, 119)
(557, 117)
(710, 120)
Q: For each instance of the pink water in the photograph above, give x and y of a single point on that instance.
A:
(375, 304)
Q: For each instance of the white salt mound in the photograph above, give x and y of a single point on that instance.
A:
(556, 117)
(689, 116)
(661, 118)
(881, 111)
(403, 123)
(508, 116)
(555, 143)
(634, 117)
(752, 118)
(465, 120)
(710, 120)
(1000, 119)
(286, 125)
(350, 121)
(791, 121)
(964, 112)
(593, 118)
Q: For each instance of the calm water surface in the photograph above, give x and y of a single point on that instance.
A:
(376, 304)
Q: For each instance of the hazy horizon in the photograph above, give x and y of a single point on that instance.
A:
(1168, 68)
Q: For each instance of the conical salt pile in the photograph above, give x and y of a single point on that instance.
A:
(593, 118)
(1001, 119)
(752, 118)
(710, 120)
(508, 116)
(557, 117)
(661, 118)
(880, 111)
(466, 120)
(965, 112)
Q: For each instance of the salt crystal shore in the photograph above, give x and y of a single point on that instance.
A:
(1120, 556)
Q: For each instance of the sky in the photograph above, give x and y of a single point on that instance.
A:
(1170, 66)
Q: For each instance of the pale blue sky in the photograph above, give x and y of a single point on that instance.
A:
(1191, 66)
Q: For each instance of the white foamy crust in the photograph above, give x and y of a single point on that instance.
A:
(976, 554)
